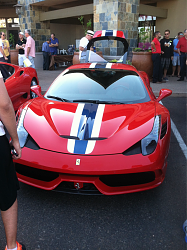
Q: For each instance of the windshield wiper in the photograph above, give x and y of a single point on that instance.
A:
(58, 98)
(98, 101)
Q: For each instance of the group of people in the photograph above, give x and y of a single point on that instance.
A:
(26, 48)
(165, 50)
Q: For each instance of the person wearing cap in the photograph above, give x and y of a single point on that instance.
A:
(46, 52)
(83, 45)
(20, 45)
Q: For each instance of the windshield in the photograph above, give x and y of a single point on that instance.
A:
(99, 86)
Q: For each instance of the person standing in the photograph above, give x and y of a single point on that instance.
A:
(156, 58)
(182, 50)
(6, 46)
(3, 58)
(8, 179)
(20, 45)
(83, 45)
(53, 44)
(30, 48)
(46, 52)
(167, 53)
(176, 57)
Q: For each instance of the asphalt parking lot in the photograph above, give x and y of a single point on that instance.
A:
(149, 220)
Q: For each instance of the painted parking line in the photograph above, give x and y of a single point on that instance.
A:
(178, 137)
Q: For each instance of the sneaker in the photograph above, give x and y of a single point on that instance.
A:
(180, 79)
(19, 246)
(165, 79)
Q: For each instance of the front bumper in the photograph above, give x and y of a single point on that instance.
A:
(105, 174)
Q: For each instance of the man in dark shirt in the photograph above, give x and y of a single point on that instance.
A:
(46, 52)
(167, 52)
(54, 44)
(21, 45)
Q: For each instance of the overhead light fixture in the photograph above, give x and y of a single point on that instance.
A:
(19, 9)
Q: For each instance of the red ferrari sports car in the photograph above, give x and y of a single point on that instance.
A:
(18, 82)
(99, 129)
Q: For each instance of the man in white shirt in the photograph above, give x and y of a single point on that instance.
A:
(83, 45)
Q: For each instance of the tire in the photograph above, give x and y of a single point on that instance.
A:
(33, 83)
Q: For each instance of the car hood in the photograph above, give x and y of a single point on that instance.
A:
(86, 128)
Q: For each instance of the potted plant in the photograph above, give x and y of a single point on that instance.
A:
(13, 51)
(141, 59)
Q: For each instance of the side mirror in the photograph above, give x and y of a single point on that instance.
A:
(37, 90)
(164, 93)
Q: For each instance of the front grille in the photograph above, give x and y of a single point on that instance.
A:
(120, 180)
(35, 173)
(68, 187)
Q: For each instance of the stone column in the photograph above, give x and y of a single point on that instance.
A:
(40, 31)
(118, 15)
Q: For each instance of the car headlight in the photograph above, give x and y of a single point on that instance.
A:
(22, 133)
(149, 143)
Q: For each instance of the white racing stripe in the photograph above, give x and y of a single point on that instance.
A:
(96, 128)
(75, 127)
(103, 32)
(178, 137)
(108, 65)
(114, 32)
(92, 65)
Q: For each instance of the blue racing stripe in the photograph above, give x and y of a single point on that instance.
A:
(85, 127)
(109, 33)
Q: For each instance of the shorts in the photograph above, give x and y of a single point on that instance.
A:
(21, 58)
(2, 59)
(8, 180)
(165, 62)
(176, 60)
(31, 59)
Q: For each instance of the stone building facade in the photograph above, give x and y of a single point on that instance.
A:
(118, 15)
(44, 16)
(30, 19)
(107, 14)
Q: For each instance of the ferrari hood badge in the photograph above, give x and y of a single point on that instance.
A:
(78, 162)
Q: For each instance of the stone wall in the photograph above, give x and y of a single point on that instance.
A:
(118, 15)
(40, 31)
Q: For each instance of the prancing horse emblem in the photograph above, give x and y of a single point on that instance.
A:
(78, 161)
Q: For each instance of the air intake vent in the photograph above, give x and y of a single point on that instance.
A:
(134, 150)
(87, 139)
(164, 130)
(31, 143)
